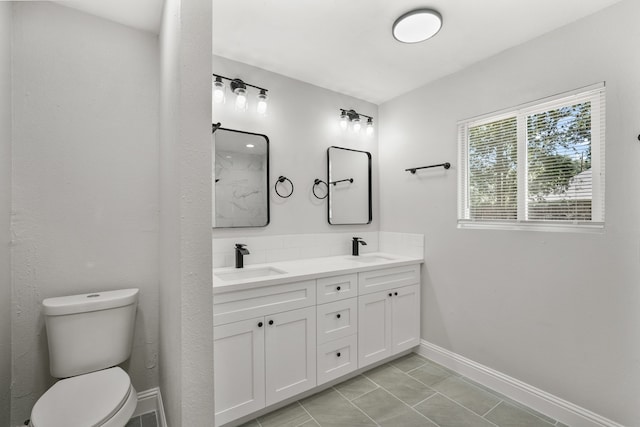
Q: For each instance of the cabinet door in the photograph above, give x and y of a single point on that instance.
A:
(374, 327)
(405, 318)
(290, 353)
(238, 364)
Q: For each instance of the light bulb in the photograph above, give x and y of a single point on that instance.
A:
(218, 91)
(369, 127)
(241, 98)
(262, 102)
(344, 120)
(356, 124)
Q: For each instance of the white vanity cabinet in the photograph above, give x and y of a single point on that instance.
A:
(388, 312)
(275, 341)
(262, 360)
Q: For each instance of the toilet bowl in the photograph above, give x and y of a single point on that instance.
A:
(104, 398)
(88, 336)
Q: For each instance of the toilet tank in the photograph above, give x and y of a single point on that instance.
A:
(89, 332)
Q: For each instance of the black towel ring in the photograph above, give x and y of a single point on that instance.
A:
(282, 179)
(317, 182)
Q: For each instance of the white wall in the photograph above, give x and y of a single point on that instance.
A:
(562, 311)
(301, 123)
(85, 180)
(186, 300)
(6, 19)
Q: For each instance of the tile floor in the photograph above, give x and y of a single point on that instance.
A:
(407, 392)
(144, 420)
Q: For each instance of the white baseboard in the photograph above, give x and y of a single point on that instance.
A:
(149, 401)
(539, 400)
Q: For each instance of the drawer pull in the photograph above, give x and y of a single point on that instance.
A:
(390, 294)
(395, 293)
(271, 322)
(338, 288)
(338, 315)
(259, 324)
(338, 354)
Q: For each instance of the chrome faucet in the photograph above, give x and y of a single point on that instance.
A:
(355, 245)
(241, 251)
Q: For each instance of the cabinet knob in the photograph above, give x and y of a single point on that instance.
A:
(338, 288)
(271, 322)
(390, 294)
(338, 315)
(395, 293)
(259, 324)
(338, 354)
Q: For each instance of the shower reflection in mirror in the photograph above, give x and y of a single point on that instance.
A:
(240, 179)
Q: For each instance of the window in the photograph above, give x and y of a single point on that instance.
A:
(538, 166)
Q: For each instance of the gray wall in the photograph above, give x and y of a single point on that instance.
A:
(85, 179)
(186, 300)
(6, 19)
(555, 310)
(301, 123)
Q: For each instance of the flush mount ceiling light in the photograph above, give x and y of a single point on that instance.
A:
(417, 26)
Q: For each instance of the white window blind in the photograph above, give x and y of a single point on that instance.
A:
(540, 164)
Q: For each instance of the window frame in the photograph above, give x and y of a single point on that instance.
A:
(596, 95)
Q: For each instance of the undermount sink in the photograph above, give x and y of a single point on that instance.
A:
(370, 259)
(248, 273)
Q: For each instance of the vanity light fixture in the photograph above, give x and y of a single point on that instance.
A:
(353, 117)
(239, 88)
(417, 25)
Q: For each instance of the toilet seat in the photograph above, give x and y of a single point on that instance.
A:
(104, 398)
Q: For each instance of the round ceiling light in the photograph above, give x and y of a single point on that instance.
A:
(417, 26)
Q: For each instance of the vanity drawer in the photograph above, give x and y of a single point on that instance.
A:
(336, 288)
(246, 304)
(388, 278)
(337, 358)
(337, 319)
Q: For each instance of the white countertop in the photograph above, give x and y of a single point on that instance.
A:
(308, 269)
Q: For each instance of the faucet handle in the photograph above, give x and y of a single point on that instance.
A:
(359, 240)
(240, 245)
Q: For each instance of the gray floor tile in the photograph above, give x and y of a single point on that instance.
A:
(399, 384)
(447, 413)
(149, 419)
(559, 424)
(356, 387)
(529, 410)
(252, 423)
(468, 395)
(507, 415)
(409, 362)
(386, 410)
(328, 408)
(290, 416)
(310, 423)
(429, 374)
(134, 422)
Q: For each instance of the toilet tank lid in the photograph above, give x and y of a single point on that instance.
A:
(89, 302)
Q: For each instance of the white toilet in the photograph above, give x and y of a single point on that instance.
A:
(88, 336)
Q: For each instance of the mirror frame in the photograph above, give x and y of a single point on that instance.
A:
(329, 187)
(268, 185)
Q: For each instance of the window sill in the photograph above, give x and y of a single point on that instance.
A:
(592, 227)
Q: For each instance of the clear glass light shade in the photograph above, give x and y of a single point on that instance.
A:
(262, 103)
(218, 91)
(356, 125)
(344, 120)
(417, 25)
(369, 127)
(241, 98)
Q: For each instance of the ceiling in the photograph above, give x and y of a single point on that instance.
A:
(347, 46)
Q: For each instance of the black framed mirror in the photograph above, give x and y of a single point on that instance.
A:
(240, 179)
(349, 179)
